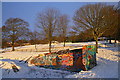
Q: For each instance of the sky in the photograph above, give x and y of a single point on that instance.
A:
(28, 11)
(60, 0)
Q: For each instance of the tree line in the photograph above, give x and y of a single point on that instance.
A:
(90, 22)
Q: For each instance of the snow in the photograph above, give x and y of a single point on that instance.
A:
(107, 63)
(107, 66)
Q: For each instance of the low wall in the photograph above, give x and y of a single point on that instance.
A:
(72, 60)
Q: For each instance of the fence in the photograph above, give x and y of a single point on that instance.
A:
(46, 49)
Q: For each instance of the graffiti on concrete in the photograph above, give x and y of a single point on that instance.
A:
(72, 60)
(89, 56)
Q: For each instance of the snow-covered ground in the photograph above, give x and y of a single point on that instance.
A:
(107, 60)
(107, 66)
(45, 47)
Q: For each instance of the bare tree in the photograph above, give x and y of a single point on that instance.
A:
(34, 38)
(97, 17)
(72, 35)
(114, 32)
(47, 22)
(5, 38)
(62, 27)
(13, 30)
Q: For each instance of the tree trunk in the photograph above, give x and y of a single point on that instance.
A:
(13, 49)
(64, 43)
(96, 45)
(49, 46)
(109, 39)
(115, 40)
(35, 47)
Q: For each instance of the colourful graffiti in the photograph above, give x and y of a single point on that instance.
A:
(89, 57)
(66, 59)
(73, 60)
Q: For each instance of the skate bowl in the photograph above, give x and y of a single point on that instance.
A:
(75, 60)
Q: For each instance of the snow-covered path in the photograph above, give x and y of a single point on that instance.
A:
(107, 67)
